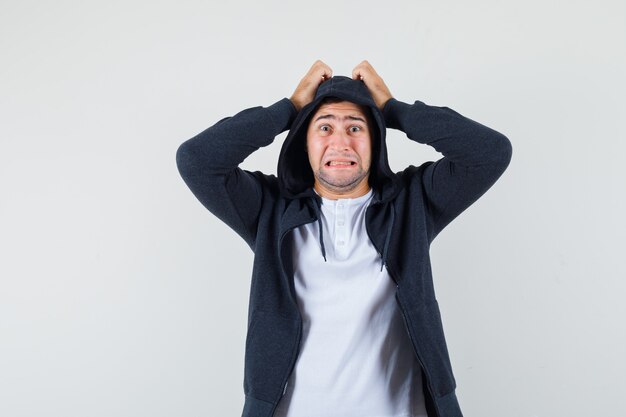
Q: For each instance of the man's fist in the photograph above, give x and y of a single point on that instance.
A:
(305, 92)
(378, 89)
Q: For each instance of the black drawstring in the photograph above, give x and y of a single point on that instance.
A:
(388, 238)
(319, 223)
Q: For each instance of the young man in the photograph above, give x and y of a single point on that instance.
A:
(343, 319)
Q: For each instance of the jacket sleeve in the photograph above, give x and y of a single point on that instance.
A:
(209, 164)
(474, 156)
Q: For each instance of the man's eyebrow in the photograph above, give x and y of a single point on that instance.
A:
(332, 116)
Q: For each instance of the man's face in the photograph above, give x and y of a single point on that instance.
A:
(339, 147)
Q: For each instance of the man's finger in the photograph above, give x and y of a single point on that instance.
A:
(375, 84)
(362, 70)
(305, 91)
(319, 68)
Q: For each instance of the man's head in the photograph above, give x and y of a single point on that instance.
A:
(339, 148)
(313, 141)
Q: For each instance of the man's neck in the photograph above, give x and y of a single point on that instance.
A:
(359, 191)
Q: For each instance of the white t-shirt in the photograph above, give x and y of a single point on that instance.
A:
(355, 358)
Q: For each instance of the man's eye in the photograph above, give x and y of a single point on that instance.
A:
(354, 129)
(325, 128)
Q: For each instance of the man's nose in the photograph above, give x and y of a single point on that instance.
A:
(341, 140)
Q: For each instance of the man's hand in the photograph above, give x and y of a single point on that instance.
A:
(305, 92)
(378, 89)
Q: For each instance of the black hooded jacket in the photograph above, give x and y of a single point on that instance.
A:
(408, 210)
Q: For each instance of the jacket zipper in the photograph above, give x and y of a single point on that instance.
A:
(405, 320)
(406, 327)
(299, 336)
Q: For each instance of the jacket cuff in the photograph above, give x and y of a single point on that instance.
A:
(394, 112)
(282, 113)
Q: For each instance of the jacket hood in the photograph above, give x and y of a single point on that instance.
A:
(295, 176)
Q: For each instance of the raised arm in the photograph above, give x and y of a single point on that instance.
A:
(474, 155)
(209, 162)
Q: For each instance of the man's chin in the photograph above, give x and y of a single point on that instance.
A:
(340, 182)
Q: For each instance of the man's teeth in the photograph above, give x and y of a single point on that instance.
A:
(340, 163)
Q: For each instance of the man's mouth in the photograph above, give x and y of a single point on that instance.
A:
(340, 163)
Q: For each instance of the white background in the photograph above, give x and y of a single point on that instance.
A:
(120, 295)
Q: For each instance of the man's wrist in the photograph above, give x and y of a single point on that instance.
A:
(295, 104)
(392, 112)
(384, 103)
(282, 113)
